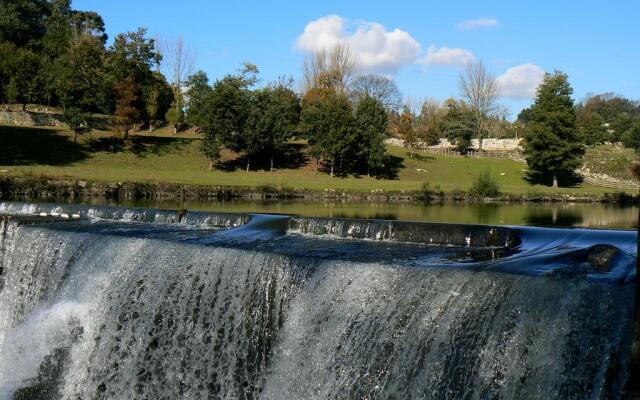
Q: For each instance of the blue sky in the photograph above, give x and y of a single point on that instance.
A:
(422, 44)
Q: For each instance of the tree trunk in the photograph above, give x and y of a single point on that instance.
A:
(317, 162)
(271, 162)
(210, 165)
(24, 107)
(150, 126)
(555, 181)
(332, 162)
(248, 162)
(75, 137)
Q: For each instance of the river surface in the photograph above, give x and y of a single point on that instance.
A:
(600, 216)
(108, 302)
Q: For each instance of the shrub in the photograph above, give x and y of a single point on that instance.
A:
(485, 186)
(428, 192)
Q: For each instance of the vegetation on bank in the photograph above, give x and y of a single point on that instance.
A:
(334, 126)
(163, 158)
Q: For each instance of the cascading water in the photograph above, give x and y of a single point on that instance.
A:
(182, 306)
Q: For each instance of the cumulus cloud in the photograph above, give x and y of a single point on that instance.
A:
(477, 23)
(447, 56)
(377, 49)
(521, 81)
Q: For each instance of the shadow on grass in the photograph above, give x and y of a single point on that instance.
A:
(566, 181)
(292, 157)
(141, 146)
(423, 157)
(30, 146)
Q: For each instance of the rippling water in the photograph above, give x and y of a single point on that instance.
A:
(108, 302)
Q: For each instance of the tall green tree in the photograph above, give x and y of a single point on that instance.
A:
(328, 122)
(197, 94)
(372, 126)
(80, 77)
(631, 138)
(272, 121)
(552, 146)
(22, 86)
(592, 128)
(158, 98)
(23, 22)
(458, 125)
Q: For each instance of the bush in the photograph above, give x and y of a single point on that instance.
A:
(429, 193)
(485, 186)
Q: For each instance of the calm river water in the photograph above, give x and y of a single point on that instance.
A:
(531, 214)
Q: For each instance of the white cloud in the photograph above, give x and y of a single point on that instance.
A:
(477, 23)
(447, 56)
(521, 81)
(377, 49)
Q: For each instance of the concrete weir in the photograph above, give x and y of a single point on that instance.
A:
(142, 303)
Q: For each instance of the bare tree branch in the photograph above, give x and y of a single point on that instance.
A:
(481, 91)
(332, 69)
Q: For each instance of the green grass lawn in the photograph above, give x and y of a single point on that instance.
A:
(165, 157)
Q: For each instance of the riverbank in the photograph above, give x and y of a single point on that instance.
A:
(55, 189)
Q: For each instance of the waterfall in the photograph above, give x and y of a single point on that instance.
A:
(279, 309)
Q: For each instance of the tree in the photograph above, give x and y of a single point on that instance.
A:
(552, 147)
(197, 94)
(22, 85)
(222, 111)
(77, 120)
(158, 98)
(327, 121)
(272, 121)
(180, 62)
(407, 130)
(429, 122)
(372, 129)
(458, 124)
(592, 128)
(379, 88)
(616, 111)
(631, 138)
(128, 101)
(481, 91)
(175, 117)
(22, 22)
(80, 77)
(333, 69)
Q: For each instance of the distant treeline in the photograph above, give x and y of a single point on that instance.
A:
(54, 55)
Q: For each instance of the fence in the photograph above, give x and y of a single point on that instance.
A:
(517, 156)
(505, 155)
(612, 185)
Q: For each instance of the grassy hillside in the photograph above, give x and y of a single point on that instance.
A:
(611, 159)
(164, 157)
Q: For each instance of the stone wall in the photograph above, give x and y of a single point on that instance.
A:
(45, 118)
(28, 118)
(487, 144)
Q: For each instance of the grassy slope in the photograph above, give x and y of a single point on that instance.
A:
(164, 157)
(610, 159)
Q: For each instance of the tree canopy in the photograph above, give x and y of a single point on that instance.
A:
(552, 146)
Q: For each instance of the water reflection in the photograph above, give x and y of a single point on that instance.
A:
(559, 215)
(554, 216)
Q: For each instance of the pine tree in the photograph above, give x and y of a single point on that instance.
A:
(552, 146)
(372, 127)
